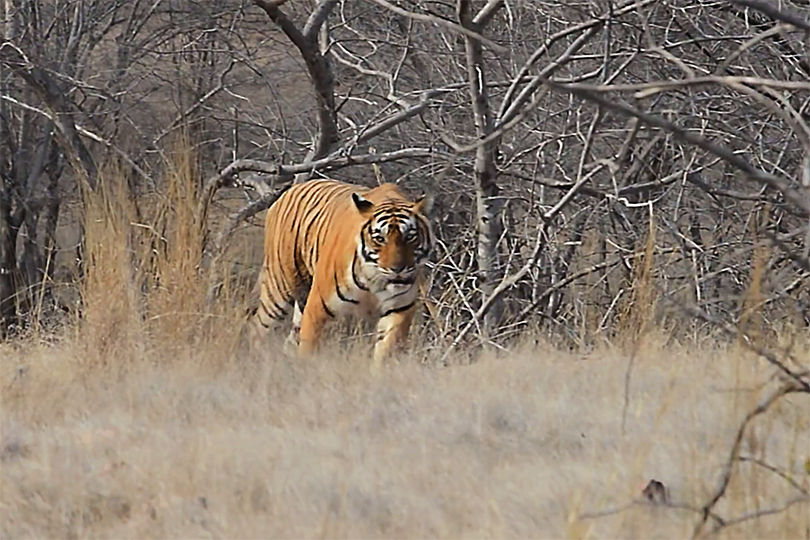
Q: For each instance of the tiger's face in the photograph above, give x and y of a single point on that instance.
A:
(395, 239)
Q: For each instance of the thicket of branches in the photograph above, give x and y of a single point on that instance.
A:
(598, 165)
(560, 138)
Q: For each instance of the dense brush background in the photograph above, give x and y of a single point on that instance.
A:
(653, 287)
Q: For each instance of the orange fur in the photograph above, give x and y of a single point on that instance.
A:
(357, 251)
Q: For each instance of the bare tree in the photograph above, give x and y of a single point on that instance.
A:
(570, 144)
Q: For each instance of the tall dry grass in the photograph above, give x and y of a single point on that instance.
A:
(147, 419)
(637, 313)
(144, 285)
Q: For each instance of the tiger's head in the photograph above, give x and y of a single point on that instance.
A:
(396, 237)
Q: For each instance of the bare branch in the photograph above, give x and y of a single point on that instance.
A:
(759, 514)
(728, 468)
(483, 17)
(641, 502)
(319, 72)
(87, 133)
(317, 18)
(621, 9)
(442, 22)
(286, 172)
(183, 116)
(781, 474)
(515, 105)
(60, 112)
(774, 12)
(651, 88)
(394, 120)
(720, 151)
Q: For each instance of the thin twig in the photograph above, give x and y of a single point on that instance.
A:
(760, 513)
(726, 154)
(641, 502)
(728, 468)
(783, 475)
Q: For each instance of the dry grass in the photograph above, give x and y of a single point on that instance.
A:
(202, 443)
(147, 420)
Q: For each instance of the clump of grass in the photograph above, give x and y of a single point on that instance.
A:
(143, 285)
(176, 295)
(637, 315)
(752, 321)
(110, 322)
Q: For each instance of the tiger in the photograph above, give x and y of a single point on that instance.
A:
(342, 249)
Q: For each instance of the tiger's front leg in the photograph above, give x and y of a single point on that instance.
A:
(315, 317)
(392, 332)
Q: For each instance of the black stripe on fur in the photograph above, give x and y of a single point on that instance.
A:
(398, 310)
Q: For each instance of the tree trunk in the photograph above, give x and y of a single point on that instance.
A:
(488, 203)
(60, 111)
(8, 263)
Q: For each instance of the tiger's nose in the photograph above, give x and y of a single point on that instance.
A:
(401, 268)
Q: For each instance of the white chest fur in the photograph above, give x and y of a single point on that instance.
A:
(367, 294)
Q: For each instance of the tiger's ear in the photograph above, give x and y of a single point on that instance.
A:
(364, 206)
(424, 204)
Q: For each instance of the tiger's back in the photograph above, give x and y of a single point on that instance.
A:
(297, 225)
(346, 245)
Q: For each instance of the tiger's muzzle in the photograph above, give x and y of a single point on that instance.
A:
(401, 275)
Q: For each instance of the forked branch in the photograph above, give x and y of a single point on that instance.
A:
(728, 467)
(317, 66)
(58, 108)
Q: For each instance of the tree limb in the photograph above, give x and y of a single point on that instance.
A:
(317, 66)
(87, 133)
(284, 173)
(621, 9)
(317, 18)
(773, 12)
(60, 111)
(443, 22)
(726, 154)
(728, 468)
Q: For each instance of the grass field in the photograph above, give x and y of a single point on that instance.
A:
(193, 442)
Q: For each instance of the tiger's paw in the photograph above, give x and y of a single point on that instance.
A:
(290, 346)
(375, 368)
